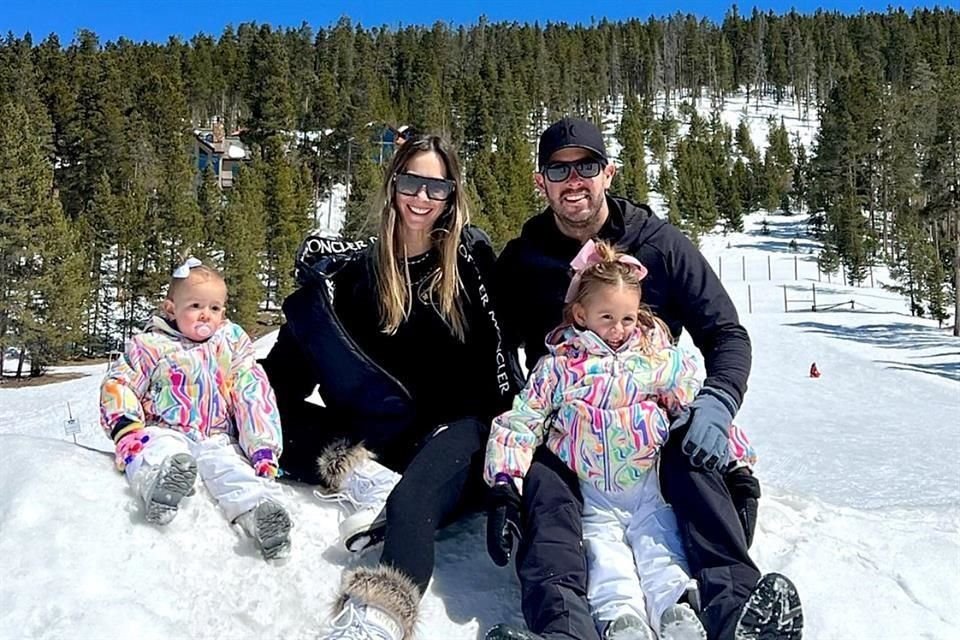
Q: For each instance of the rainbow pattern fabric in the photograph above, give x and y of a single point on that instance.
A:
(604, 413)
(199, 388)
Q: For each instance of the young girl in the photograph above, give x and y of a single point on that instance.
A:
(188, 396)
(604, 397)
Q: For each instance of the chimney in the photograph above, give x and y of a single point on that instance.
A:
(219, 133)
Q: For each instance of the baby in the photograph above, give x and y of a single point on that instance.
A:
(188, 396)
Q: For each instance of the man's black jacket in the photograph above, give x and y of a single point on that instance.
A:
(533, 273)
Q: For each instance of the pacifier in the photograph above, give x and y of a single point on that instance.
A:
(203, 329)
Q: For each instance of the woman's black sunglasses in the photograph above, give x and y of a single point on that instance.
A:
(560, 171)
(437, 188)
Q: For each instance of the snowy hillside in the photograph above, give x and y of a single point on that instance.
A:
(859, 470)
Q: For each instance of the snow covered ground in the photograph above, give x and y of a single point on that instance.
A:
(859, 469)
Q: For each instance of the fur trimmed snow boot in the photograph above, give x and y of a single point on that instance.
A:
(377, 603)
(361, 485)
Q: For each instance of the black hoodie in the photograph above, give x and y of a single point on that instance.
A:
(533, 273)
(404, 383)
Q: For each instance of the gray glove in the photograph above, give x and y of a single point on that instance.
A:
(708, 416)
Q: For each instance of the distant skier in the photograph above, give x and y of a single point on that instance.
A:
(188, 395)
(603, 398)
(814, 372)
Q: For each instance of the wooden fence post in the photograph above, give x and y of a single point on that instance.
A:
(784, 298)
(813, 285)
(795, 271)
(743, 268)
(769, 271)
(749, 299)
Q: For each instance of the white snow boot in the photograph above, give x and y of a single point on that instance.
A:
(361, 485)
(374, 604)
(163, 486)
(628, 627)
(680, 622)
(269, 525)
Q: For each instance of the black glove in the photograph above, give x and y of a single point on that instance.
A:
(503, 522)
(745, 492)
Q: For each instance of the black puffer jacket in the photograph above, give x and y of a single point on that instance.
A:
(533, 273)
(423, 377)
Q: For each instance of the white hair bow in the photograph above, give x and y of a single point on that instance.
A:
(183, 271)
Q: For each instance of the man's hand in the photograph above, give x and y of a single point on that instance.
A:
(503, 521)
(709, 416)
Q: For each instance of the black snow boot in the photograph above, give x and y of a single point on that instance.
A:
(772, 612)
(507, 632)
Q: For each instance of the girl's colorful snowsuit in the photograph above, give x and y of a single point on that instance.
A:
(606, 414)
(210, 399)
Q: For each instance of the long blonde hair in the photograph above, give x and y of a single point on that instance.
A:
(393, 278)
(610, 272)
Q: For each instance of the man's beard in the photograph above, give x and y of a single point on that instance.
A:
(579, 223)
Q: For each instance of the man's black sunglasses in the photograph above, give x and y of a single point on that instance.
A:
(560, 171)
(437, 188)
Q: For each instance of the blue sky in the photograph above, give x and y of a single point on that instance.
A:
(155, 20)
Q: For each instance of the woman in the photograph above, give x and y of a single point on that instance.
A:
(409, 365)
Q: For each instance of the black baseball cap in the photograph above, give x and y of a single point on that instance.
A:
(571, 132)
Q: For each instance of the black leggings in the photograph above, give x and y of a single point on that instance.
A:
(444, 480)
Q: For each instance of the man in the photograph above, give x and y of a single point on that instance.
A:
(736, 603)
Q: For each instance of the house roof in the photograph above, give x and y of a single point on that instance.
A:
(231, 147)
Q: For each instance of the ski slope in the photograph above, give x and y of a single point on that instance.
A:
(859, 471)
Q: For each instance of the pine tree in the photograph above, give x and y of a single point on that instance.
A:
(730, 203)
(513, 166)
(488, 208)
(630, 133)
(174, 200)
(798, 190)
(751, 191)
(241, 243)
(366, 176)
(696, 197)
(778, 166)
(286, 218)
(268, 87)
(941, 177)
(40, 266)
(210, 201)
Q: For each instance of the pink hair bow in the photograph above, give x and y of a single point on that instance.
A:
(588, 257)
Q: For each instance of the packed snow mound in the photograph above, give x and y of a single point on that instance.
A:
(859, 470)
(81, 562)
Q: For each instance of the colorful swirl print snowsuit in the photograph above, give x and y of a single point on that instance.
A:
(606, 414)
(210, 399)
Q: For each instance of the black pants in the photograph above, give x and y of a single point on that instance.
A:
(552, 567)
(713, 538)
(551, 564)
(442, 476)
(442, 482)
